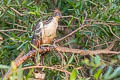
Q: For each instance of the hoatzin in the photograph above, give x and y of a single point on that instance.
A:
(45, 31)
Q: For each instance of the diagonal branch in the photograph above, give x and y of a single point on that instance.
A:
(82, 26)
(19, 61)
(17, 11)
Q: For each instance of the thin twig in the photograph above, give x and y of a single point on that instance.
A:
(99, 21)
(112, 44)
(8, 30)
(61, 49)
(109, 28)
(69, 34)
(98, 45)
(113, 32)
(82, 26)
(93, 20)
(17, 11)
(13, 39)
(52, 68)
(70, 16)
(17, 25)
(5, 34)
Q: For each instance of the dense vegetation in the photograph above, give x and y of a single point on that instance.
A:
(102, 17)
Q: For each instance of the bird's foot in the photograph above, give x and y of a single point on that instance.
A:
(46, 45)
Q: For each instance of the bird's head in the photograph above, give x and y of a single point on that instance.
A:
(57, 13)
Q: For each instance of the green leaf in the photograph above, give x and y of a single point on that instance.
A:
(22, 45)
(71, 59)
(70, 21)
(34, 46)
(24, 2)
(33, 13)
(18, 2)
(118, 56)
(10, 12)
(8, 2)
(97, 74)
(97, 59)
(78, 4)
(107, 74)
(20, 73)
(30, 3)
(3, 66)
(71, 3)
(73, 75)
(92, 2)
(115, 73)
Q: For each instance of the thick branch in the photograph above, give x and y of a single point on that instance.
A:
(19, 61)
(86, 52)
(61, 49)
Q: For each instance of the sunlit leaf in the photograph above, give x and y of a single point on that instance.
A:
(33, 13)
(73, 75)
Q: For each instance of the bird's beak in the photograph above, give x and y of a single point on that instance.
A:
(59, 15)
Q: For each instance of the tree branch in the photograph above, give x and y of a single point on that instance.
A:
(86, 52)
(19, 61)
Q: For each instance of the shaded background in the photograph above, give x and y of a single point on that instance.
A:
(17, 17)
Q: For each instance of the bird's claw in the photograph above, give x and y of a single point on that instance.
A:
(46, 45)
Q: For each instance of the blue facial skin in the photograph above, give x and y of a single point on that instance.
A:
(59, 14)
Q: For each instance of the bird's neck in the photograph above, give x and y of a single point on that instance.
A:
(56, 18)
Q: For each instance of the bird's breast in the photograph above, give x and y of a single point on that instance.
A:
(49, 32)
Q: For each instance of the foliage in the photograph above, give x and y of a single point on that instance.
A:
(24, 14)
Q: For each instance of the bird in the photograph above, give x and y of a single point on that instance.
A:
(45, 31)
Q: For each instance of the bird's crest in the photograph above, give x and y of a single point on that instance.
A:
(58, 13)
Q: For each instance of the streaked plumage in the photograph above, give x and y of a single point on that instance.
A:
(45, 32)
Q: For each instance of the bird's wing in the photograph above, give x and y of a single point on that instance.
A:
(47, 21)
(37, 36)
(38, 29)
(41, 25)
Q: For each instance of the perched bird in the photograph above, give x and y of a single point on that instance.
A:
(45, 31)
